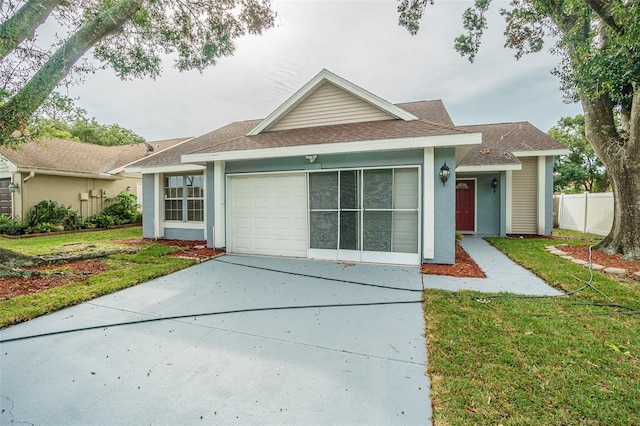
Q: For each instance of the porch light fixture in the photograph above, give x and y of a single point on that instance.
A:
(13, 187)
(444, 173)
(494, 184)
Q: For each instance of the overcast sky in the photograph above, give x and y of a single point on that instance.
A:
(358, 40)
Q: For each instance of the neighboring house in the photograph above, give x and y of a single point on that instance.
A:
(76, 174)
(338, 173)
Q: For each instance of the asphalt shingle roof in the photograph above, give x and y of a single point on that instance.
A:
(71, 156)
(433, 121)
(499, 141)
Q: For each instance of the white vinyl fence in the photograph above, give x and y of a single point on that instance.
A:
(592, 213)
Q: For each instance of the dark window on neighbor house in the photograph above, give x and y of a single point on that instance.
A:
(184, 198)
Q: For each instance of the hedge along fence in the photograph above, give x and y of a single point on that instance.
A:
(589, 212)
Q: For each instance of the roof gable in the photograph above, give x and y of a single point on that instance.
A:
(328, 99)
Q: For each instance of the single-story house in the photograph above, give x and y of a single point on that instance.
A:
(336, 172)
(76, 174)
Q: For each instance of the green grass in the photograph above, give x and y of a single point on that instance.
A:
(576, 235)
(49, 243)
(124, 270)
(551, 361)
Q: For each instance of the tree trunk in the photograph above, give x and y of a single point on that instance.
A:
(621, 157)
(14, 115)
(10, 259)
(23, 24)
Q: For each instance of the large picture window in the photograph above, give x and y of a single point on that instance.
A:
(184, 198)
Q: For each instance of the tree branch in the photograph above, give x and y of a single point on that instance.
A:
(633, 143)
(602, 9)
(14, 114)
(23, 24)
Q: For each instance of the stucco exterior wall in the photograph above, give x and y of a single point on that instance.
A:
(444, 208)
(66, 190)
(444, 197)
(184, 234)
(378, 159)
(148, 206)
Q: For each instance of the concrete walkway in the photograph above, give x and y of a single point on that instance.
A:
(503, 275)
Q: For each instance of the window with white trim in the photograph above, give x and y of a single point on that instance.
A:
(184, 198)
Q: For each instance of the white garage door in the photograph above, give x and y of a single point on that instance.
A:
(268, 215)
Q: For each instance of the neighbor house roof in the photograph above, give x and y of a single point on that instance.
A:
(503, 143)
(62, 155)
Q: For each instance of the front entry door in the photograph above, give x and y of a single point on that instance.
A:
(465, 205)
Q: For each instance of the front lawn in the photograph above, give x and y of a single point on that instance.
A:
(539, 361)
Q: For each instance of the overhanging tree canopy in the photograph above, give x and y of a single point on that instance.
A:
(598, 42)
(128, 35)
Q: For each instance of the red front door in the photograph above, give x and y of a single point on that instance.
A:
(465, 205)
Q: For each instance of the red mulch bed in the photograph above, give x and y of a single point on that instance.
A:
(189, 249)
(57, 275)
(607, 260)
(465, 267)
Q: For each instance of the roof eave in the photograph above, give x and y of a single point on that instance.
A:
(176, 168)
(541, 153)
(128, 169)
(69, 173)
(488, 168)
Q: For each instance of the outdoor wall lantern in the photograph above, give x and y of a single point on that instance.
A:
(494, 184)
(13, 187)
(444, 173)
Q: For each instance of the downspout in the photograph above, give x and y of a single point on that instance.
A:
(31, 174)
(22, 193)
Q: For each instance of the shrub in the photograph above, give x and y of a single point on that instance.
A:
(102, 221)
(13, 226)
(124, 208)
(45, 227)
(50, 211)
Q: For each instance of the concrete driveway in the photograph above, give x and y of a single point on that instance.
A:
(319, 363)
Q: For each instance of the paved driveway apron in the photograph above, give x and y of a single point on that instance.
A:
(359, 363)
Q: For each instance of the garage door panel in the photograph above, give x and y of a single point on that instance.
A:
(268, 215)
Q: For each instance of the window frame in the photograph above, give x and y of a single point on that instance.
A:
(185, 195)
